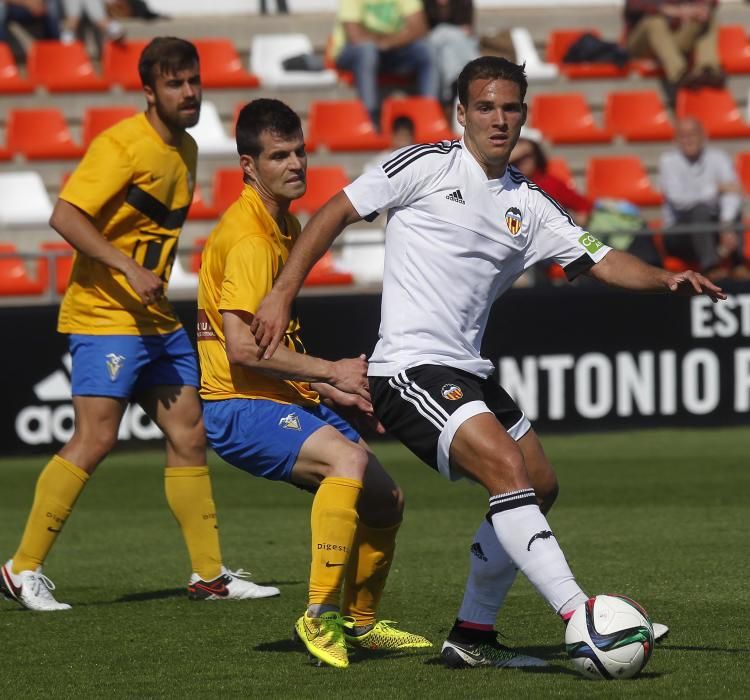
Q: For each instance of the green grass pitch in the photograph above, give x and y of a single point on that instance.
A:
(659, 515)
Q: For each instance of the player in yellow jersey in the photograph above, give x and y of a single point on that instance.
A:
(122, 209)
(267, 418)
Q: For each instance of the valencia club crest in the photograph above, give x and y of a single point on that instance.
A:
(513, 220)
(451, 392)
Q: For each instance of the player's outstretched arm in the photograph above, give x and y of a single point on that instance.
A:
(347, 375)
(619, 269)
(272, 318)
(77, 229)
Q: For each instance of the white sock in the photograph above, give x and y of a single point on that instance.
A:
(525, 535)
(491, 574)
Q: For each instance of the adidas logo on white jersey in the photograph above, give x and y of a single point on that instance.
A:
(455, 197)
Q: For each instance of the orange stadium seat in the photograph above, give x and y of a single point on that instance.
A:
(62, 67)
(566, 118)
(638, 115)
(325, 273)
(227, 186)
(197, 254)
(322, 183)
(716, 109)
(120, 63)
(97, 119)
(622, 177)
(10, 79)
(734, 49)
(39, 134)
(429, 119)
(558, 44)
(5, 154)
(342, 125)
(63, 263)
(200, 209)
(743, 169)
(15, 279)
(221, 66)
(559, 168)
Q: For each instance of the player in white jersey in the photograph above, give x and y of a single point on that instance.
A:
(462, 226)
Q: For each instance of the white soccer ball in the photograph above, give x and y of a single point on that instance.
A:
(609, 636)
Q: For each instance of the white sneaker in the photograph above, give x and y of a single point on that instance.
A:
(660, 631)
(32, 589)
(229, 585)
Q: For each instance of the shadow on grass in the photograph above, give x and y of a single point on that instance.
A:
(151, 595)
(182, 592)
(540, 670)
(356, 656)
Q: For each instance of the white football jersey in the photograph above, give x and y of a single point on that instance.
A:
(454, 242)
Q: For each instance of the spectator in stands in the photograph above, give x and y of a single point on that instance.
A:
(373, 36)
(701, 189)
(529, 157)
(44, 13)
(673, 32)
(281, 7)
(96, 12)
(452, 39)
(402, 135)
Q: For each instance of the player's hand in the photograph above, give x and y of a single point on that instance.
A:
(148, 286)
(355, 409)
(690, 283)
(269, 324)
(350, 376)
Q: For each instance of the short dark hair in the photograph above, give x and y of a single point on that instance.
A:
(403, 122)
(165, 55)
(491, 68)
(261, 115)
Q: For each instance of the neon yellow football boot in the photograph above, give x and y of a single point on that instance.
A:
(383, 637)
(324, 638)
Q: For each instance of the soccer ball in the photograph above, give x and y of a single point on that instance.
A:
(609, 636)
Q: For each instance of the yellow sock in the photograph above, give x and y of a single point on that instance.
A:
(57, 490)
(191, 501)
(333, 520)
(367, 572)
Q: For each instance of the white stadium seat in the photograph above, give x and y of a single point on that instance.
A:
(181, 280)
(267, 53)
(209, 133)
(536, 68)
(23, 199)
(362, 253)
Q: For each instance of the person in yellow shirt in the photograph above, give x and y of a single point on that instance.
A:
(274, 419)
(122, 210)
(388, 36)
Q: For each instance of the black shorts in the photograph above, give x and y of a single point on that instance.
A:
(424, 406)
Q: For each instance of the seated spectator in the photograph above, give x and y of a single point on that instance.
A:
(617, 222)
(674, 32)
(281, 7)
(452, 39)
(701, 191)
(44, 14)
(402, 135)
(528, 156)
(96, 13)
(374, 36)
